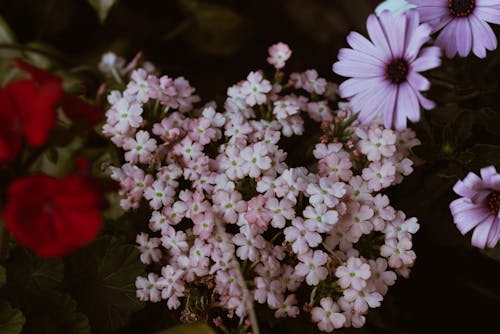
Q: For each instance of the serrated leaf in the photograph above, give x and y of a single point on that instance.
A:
(3, 276)
(102, 7)
(197, 328)
(11, 319)
(102, 279)
(53, 312)
(6, 34)
(28, 272)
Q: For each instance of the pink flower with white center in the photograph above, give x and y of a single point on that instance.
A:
(301, 237)
(228, 283)
(257, 212)
(255, 159)
(159, 194)
(381, 278)
(323, 150)
(379, 176)
(377, 143)
(197, 167)
(222, 182)
(237, 126)
(175, 243)
(162, 89)
(175, 213)
(201, 131)
(358, 219)
(287, 308)
(361, 300)
(216, 119)
(279, 53)
(326, 192)
(335, 167)
(281, 211)
(319, 218)
(139, 149)
(353, 318)
(359, 191)
(285, 107)
(406, 140)
(292, 125)
(148, 248)
(339, 236)
(255, 89)
(312, 266)
(231, 163)
(203, 225)
(267, 185)
(195, 202)
(127, 114)
(267, 291)
(290, 280)
(166, 130)
(185, 95)
(222, 261)
(353, 274)
(159, 222)
(188, 149)
(398, 252)
(229, 205)
(327, 315)
(171, 283)
(249, 245)
(382, 212)
(401, 227)
(199, 254)
(319, 111)
(138, 86)
(312, 83)
(192, 272)
(291, 182)
(205, 182)
(148, 289)
(169, 174)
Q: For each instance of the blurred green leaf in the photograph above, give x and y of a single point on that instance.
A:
(53, 312)
(27, 272)
(3, 276)
(102, 7)
(197, 328)
(485, 155)
(11, 319)
(102, 279)
(6, 34)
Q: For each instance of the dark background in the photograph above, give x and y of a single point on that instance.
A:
(453, 287)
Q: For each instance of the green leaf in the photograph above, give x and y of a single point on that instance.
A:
(3, 276)
(28, 272)
(11, 319)
(102, 7)
(197, 328)
(53, 312)
(6, 34)
(485, 155)
(102, 279)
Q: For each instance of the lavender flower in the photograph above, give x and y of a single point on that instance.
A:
(463, 23)
(479, 207)
(384, 72)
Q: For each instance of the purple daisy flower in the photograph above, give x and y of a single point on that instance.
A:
(384, 72)
(463, 23)
(479, 207)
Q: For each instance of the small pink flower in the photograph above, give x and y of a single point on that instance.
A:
(311, 266)
(320, 218)
(139, 149)
(379, 176)
(147, 288)
(328, 316)
(301, 237)
(148, 248)
(354, 274)
(281, 211)
(255, 159)
(257, 213)
(279, 53)
(398, 252)
(255, 88)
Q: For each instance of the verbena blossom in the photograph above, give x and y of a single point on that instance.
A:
(463, 24)
(479, 207)
(385, 70)
(226, 207)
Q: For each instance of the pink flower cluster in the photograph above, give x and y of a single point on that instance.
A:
(230, 214)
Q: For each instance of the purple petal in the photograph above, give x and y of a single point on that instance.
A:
(463, 190)
(350, 54)
(428, 58)
(488, 14)
(484, 37)
(418, 38)
(418, 82)
(360, 43)
(494, 234)
(375, 107)
(355, 86)
(467, 215)
(388, 108)
(480, 235)
(407, 107)
(376, 32)
(425, 102)
(447, 40)
(463, 36)
(350, 68)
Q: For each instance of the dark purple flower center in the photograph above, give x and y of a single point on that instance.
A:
(396, 71)
(461, 8)
(493, 201)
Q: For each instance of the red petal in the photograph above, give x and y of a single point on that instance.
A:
(76, 108)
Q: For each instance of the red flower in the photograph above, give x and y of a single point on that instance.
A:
(28, 110)
(74, 107)
(50, 216)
